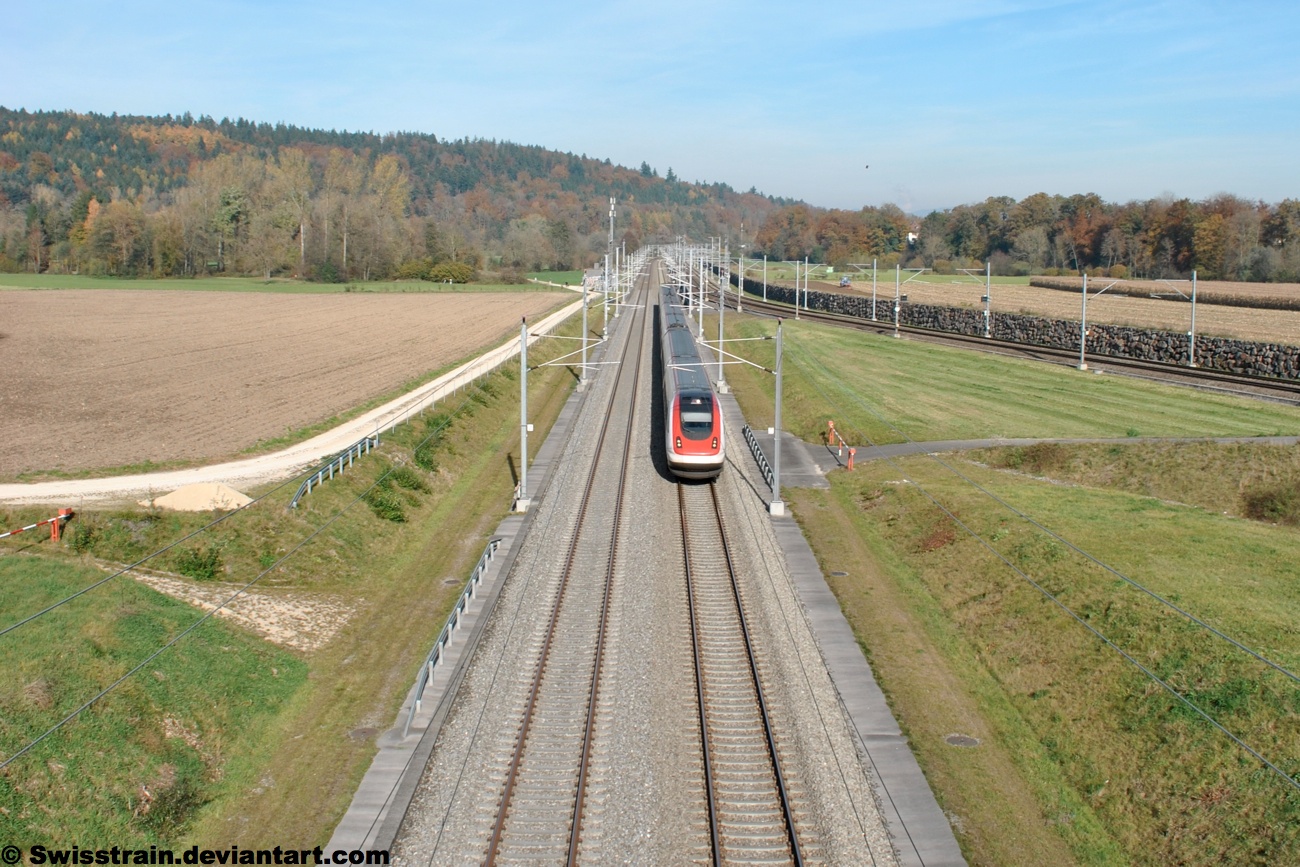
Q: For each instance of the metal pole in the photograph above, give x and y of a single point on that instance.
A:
(897, 275)
(740, 280)
(722, 307)
(522, 504)
(805, 282)
(699, 328)
(765, 277)
(1191, 334)
(604, 325)
(873, 290)
(582, 373)
(1083, 326)
(796, 288)
(777, 507)
(988, 296)
(690, 281)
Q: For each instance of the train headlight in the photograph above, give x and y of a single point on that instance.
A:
(715, 442)
(679, 443)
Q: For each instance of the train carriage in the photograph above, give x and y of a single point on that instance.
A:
(693, 432)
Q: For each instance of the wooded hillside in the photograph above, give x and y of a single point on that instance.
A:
(169, 196)
(1221, 238)
(178, 195)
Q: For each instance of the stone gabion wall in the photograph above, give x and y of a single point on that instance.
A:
(1220, 353)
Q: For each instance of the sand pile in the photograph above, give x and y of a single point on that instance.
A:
(304, 621)
(202, 497)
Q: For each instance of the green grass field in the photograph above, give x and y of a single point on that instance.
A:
(1083, 759)
(881, 390)
(564, 278)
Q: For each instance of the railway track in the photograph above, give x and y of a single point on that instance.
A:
(1282, 391)
(591, 728)
(750, 815)
(541, 810)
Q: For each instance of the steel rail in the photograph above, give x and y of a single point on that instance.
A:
(706, 753)
(539, 675)
(764, 716)
(576, 833)
(758, 686)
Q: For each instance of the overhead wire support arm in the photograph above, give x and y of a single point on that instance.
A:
(988, 293)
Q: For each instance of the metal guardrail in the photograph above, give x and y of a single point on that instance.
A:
(444, 638)
(761, 458)
(335, 464)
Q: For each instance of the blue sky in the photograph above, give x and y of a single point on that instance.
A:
(948, 102)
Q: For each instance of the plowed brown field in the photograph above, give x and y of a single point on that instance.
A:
(1244, 323)
(96, 379)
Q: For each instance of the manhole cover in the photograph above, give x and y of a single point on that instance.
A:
(961, 741)
(839, 574)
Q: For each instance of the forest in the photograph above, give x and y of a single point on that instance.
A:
(1223, 237)
(178, 196)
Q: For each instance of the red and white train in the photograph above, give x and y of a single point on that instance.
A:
(693, 436)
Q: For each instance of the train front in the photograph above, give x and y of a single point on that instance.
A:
(695, 447)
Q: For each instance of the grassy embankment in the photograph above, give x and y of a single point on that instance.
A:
(1082, 757)
(236, 740)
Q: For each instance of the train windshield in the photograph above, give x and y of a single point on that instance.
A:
(697, 416)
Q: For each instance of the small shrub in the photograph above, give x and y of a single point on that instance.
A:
(451, 272)
(1046, 457)
(174, 802)
(426, 458)
(405, 477)
(438, 423)
(328, 273)
(385, 504)
(1279, 504)
(82, 538)
(414, 269)
(201, 563)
